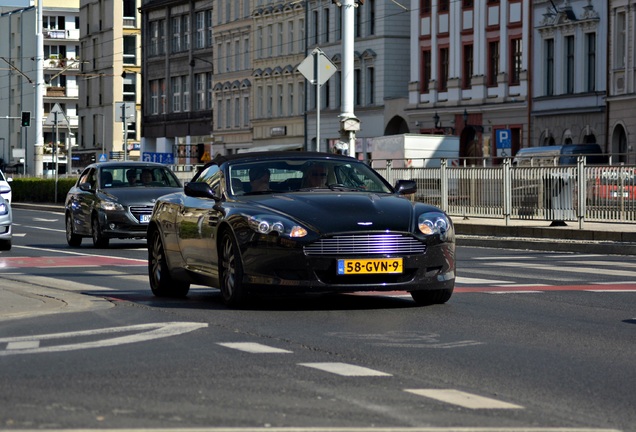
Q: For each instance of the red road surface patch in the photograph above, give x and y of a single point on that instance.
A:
(67, 261)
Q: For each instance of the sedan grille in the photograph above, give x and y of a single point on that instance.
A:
(137, 211)
(367, 244)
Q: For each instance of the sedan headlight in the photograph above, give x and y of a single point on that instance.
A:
(433, 223)
(111, 206)
(267, 224)
(4, 208)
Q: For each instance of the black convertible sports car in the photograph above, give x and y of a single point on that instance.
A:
(296, 222)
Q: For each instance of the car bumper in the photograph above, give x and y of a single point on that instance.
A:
(122, 225)
(295, 272)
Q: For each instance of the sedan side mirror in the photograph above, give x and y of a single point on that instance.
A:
(200, 190)
(86, 187)
(406, 187)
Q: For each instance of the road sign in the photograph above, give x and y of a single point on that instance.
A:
(56, 111)
(127, 108)
(320, 74)
(504, 139)
(164, 158)
(103, 157)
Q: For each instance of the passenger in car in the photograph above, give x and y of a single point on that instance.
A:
(259, 179)
(315, 176)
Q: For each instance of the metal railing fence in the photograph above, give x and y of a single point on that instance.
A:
(576, 193)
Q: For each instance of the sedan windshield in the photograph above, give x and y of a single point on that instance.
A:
(303, 175)
(137, 176)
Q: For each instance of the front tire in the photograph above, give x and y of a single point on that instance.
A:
(72, 239)
(5, 245)
(231, 271)
(431, 297)
(161, 282)
(99, 241)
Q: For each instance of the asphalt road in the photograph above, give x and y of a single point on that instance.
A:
(529, 340)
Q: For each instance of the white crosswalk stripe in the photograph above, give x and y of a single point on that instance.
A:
(345, 369)
(254, 348)
(463, 399)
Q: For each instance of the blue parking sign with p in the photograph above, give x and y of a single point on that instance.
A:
(504, 139)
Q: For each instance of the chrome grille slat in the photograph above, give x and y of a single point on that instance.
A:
(367, 244)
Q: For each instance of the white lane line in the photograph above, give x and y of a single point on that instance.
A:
(344, 369)
(466, 400)
(468, 280)
(254, 348)
(565, 269)
(610, 291)
(515, 292)
(23, 345)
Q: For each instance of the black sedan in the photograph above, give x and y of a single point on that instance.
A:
(295, 222)
(115, 200)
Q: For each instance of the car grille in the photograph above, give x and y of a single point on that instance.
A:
(137, 211)
(367, 244)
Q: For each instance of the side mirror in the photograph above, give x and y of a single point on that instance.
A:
(406, 187)
(200, 190)
(86, 187)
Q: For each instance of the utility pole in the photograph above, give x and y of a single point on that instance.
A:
(349, 123)
(38, 150)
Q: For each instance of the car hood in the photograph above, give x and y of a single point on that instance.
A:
(343, 212)
(137, 195)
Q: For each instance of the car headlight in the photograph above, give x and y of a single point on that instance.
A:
(433, 223)
(268, 224)
(4, 208)
(111, 206)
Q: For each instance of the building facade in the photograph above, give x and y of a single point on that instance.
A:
(178, 79)
(569, 73)
(110, 88)
(621, 92)
(18, 81)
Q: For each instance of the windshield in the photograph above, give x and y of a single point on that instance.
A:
(138, 176)
(279, 175)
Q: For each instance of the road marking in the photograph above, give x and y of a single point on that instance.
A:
(467, 280)
(65, 261)
(466, 400)
(564, 269)
(145, 332)
(254, 348)
(344, 369)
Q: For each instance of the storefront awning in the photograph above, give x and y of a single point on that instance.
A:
(272, 147)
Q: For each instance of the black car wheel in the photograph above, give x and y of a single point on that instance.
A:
(99, 241)
(161, 282)
(231, 272)
(72, 239)
(430, 297)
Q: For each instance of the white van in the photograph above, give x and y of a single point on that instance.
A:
(559, 155)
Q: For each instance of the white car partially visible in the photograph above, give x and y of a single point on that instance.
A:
(5, 187)
(5, 224)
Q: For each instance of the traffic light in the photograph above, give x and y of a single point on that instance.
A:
(26, 118)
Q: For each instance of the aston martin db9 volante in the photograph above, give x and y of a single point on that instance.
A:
(115, 200)
(296, 222)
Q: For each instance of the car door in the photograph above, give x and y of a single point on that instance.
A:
(194, 227)
(81, 202)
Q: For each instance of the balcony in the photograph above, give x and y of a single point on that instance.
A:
(55, 92)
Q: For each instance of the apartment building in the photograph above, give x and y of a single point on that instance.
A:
(569, 72)
(18, 81)
(110, 87)
(278, 92)
(469, 74)
(381, 69)
(178, 66)
(621, 92)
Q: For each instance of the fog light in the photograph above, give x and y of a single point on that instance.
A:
(111, 226)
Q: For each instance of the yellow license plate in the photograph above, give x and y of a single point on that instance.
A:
(369, 266)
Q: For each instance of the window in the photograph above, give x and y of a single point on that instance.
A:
(219, 113)
(291, 36)
(175, 85)
(185, 90)
(130, 87)
(270, 40)
(443, 5)
(301, 97)
(280, 47)
(493, 62)
(228, 111)
(208, 27)
(516, 56)
(290, 99)
(130, 49)
(443, 69)
(370, 86)
(246, 111)
(357, 85)
(210, 90)
(259, 42)
(201, 94)
(371, 10)
(316, 27)
(467, 73)
(176, 34)
(162, 96)
(549, 67)
(154, 97)
(186, 32)
(325, 14)
(246, 53)
(237, 112)
(425, 69)
(590, 67)
(270, 101)
(569, 64)
(154, 39)
(200, 37)
(620, 50)
(259, 102)
(425, 7)
(280, 104)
